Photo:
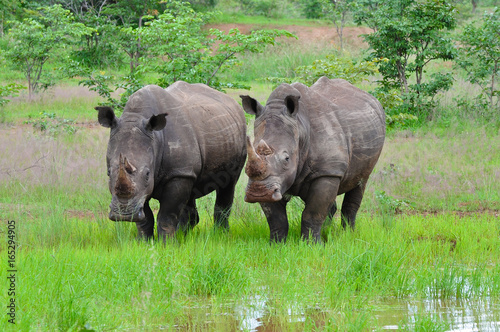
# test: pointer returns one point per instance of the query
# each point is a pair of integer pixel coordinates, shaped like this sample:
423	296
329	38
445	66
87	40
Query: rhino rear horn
128	166
263	149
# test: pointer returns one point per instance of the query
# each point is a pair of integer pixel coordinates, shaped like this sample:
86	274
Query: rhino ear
106	116
157	122
292	104
250	105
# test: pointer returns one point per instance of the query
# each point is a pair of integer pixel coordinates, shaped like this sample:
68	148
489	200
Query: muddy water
456	315
254	315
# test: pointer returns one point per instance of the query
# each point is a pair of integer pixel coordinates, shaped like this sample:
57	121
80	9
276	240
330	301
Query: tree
410	34
364	12
337	11
312	8
7	10
36	39
180	49
479	55
94	49
130	16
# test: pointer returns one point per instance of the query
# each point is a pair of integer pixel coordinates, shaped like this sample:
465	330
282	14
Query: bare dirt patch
308	35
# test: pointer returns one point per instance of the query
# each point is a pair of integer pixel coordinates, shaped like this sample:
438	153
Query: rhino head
131	162
273	157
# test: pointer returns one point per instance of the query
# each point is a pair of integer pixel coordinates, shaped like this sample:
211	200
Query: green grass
73	107
428	232
276	61
77	269
263	21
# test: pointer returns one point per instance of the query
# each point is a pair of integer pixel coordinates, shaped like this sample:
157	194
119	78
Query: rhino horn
128	166
124	186
263	149
256	166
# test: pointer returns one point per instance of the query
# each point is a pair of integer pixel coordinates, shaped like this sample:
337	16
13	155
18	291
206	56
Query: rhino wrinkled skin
316	143
174	145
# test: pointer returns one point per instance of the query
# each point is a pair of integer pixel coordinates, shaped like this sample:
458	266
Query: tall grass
278	60
427	232
72	103
79	270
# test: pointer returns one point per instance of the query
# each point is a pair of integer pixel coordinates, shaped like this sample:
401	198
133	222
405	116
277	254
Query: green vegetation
428	232
480	56
410	34
35	40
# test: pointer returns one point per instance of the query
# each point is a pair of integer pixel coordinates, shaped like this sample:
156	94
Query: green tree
96	49
479	55
312	8
179	48
410	34
34	40
8	8
337	11
364	12
130	16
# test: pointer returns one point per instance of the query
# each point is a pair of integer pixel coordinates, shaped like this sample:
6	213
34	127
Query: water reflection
260	314
481	315
256	315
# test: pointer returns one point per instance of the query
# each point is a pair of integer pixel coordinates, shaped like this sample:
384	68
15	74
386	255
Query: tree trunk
495	70
402	77
132	60
474	6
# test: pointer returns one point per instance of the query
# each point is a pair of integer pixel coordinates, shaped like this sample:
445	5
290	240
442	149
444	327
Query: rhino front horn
256	166
124	186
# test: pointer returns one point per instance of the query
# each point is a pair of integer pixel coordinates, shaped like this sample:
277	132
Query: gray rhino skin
198	148
315	143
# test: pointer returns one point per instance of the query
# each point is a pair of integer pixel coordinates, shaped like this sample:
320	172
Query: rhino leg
174	198
145	229
333	210
277	220
351	204
319	204
223	204
189	217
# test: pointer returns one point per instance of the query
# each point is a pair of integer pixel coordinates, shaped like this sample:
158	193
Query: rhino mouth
127	212
262	193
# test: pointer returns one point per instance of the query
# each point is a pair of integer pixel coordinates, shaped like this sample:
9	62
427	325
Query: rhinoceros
316	143
198	148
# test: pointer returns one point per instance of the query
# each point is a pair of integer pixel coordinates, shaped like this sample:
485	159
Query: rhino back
216	126
347	130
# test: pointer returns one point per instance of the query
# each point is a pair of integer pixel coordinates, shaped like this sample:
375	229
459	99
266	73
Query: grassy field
424	255
429	229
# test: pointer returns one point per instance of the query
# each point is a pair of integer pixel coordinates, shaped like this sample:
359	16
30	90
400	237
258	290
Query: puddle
255	314
457	315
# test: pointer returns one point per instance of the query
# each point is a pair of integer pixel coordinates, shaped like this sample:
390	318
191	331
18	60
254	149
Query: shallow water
255	314
482	315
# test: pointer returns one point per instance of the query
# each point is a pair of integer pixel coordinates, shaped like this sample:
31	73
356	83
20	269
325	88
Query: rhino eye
146	175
